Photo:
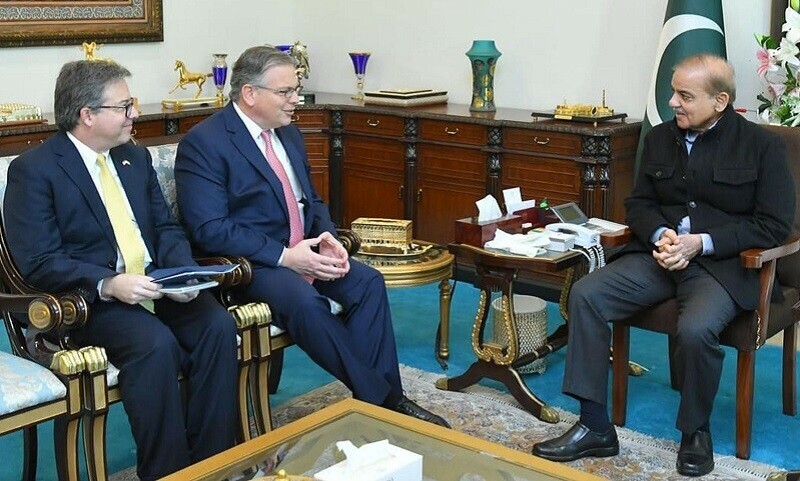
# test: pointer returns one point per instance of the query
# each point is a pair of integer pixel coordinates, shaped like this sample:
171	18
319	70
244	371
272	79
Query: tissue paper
378	461
488	209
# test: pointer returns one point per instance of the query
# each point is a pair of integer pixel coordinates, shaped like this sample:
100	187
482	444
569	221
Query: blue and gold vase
220	71
483	57
359	60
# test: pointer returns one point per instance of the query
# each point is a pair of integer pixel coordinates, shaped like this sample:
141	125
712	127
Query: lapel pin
126	162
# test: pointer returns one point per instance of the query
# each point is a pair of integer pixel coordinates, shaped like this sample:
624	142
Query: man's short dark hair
82	84
252	64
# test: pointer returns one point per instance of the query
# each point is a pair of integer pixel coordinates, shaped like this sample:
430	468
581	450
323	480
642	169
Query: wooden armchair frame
65	411
663	318
268	345
53	315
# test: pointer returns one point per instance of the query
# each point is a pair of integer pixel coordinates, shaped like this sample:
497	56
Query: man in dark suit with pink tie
244	188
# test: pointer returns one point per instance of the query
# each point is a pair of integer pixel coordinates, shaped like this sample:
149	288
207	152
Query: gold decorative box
383	232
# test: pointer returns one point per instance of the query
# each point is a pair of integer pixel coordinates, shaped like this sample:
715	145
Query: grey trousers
628	285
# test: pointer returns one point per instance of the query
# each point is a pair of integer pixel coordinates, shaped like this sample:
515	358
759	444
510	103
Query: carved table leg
445	298
496	361
510	378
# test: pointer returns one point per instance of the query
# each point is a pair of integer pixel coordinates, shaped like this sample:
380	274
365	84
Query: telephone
584	236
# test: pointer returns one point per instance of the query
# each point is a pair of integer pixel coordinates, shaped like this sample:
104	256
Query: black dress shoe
410	408
579	442
696	454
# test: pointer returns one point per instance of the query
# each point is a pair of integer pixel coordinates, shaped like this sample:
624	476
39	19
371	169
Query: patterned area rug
495	416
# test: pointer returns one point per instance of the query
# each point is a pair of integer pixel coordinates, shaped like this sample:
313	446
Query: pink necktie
295	225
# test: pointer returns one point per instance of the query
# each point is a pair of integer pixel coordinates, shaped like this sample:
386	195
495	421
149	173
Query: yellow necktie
124	230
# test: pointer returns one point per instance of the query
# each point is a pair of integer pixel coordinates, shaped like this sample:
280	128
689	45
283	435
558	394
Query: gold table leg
445	298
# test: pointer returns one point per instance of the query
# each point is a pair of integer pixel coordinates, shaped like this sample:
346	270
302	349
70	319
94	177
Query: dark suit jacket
58	229
230	200
735	186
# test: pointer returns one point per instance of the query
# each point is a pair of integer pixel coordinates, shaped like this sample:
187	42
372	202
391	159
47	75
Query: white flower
792	26
778	67
787	52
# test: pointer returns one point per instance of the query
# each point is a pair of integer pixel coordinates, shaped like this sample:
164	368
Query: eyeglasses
285	93
128	107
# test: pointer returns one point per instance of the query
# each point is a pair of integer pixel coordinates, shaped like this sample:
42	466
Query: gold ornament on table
20	114
185	78
299	53
90	51
582	112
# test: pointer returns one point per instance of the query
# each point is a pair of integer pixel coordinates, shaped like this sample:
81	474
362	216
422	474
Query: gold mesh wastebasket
531	319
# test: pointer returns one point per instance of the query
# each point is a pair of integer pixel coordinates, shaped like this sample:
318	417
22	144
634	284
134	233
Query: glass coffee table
307	446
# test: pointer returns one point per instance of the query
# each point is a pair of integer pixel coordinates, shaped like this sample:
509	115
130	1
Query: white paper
488	209
531	244
512	196
181	288
518	206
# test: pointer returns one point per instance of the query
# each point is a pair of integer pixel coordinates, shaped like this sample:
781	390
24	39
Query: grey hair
720	76
82	84
252	64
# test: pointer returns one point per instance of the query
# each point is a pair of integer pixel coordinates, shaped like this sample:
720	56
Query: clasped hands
675	251
330	262
135	288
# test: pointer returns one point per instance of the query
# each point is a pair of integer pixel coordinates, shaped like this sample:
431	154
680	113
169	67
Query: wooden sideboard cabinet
428	164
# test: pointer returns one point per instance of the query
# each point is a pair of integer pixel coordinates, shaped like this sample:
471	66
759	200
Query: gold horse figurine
187	77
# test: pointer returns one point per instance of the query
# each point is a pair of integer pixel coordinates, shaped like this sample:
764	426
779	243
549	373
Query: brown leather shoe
410	408
696	454
578	442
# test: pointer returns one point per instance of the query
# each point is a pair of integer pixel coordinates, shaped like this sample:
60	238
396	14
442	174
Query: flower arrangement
778	68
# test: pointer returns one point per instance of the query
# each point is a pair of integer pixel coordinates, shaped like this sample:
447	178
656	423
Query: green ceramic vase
483	57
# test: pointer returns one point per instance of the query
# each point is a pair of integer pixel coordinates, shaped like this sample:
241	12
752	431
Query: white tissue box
400	465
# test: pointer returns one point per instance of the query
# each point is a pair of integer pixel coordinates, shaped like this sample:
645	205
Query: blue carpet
652	405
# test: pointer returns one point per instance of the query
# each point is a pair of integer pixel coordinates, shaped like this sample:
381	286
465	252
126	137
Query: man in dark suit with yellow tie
84	211
244	188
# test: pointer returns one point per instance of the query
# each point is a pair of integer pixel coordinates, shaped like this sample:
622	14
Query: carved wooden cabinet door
372	167
314	126
451	176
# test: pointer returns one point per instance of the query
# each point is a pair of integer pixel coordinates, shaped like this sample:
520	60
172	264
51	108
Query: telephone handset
584	236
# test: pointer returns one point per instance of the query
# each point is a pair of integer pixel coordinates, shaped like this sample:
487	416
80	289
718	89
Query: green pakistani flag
690	27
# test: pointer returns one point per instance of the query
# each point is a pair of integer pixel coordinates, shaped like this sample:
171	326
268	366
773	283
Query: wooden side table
433	264
496	273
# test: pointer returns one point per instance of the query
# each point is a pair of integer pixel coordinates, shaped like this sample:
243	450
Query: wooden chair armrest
350	240
74	310
766	261
239	277
755	258
47	312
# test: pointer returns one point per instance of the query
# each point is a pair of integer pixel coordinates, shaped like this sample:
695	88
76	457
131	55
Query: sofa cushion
25	384
164	164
